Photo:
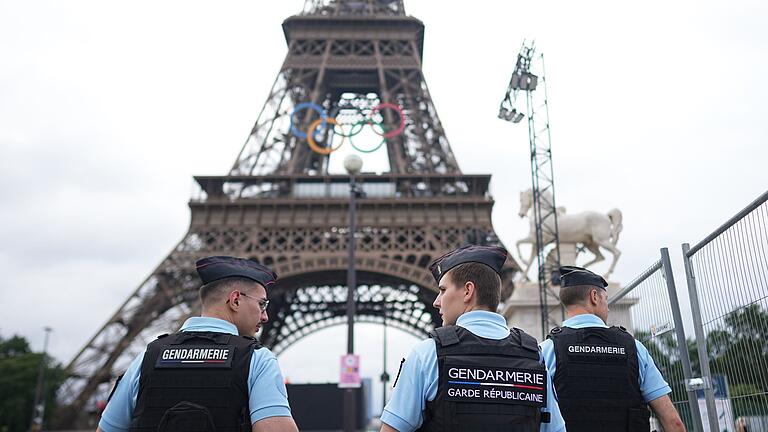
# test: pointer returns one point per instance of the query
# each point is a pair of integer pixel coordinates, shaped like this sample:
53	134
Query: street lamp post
353	164
384	374
38	407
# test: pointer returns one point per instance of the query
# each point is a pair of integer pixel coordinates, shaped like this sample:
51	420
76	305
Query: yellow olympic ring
311	139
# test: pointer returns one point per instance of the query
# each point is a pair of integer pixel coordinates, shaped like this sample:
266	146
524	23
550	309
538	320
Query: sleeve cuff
657	394
396	422
273	411
107	427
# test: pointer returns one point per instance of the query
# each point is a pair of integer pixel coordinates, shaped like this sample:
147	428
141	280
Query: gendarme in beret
573	276
219	267
492	256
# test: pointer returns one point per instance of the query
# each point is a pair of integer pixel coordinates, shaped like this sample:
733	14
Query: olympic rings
311	140
312	133
312	106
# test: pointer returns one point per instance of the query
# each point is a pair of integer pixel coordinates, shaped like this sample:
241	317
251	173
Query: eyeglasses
263	303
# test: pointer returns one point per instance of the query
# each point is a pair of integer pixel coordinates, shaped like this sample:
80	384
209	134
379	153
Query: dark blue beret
491	256
573	276
219	267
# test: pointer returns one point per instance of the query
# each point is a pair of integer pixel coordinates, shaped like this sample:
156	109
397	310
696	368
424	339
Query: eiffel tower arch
280	206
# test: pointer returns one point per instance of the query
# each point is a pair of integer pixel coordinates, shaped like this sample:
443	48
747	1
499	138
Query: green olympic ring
372	123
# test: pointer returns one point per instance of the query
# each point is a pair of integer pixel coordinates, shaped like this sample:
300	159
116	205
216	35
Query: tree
18	378
737	349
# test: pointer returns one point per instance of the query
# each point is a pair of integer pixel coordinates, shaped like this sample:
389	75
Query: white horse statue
592	229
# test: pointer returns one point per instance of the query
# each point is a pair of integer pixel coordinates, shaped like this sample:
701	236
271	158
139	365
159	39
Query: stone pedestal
568	253
522	309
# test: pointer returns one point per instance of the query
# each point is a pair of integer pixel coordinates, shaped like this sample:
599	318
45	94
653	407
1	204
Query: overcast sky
107	110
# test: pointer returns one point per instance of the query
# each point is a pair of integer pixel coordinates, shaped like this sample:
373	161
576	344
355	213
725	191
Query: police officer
605	379
213	374
473	374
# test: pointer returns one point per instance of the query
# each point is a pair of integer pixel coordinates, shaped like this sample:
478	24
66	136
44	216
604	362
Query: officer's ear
469	290
233	299
594	297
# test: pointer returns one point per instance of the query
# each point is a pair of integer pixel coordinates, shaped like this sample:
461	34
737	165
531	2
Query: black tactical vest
195	381
486	384
596	379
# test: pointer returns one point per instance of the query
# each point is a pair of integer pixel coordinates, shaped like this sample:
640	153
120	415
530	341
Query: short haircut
220	288
576	294
487	282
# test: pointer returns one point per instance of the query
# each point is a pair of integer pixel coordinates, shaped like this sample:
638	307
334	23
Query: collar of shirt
485	324
209	324
584	320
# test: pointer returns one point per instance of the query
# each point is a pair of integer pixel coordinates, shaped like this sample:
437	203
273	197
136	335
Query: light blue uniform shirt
266	389
652	384
417	383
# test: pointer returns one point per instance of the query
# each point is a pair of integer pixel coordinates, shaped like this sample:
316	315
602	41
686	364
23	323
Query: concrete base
522	309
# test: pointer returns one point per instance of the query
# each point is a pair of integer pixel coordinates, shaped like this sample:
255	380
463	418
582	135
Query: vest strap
216	338
527	341
445	336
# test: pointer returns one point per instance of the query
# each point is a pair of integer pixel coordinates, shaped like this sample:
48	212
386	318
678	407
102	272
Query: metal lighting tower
542	174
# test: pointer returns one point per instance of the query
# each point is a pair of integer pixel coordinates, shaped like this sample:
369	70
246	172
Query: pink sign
350	371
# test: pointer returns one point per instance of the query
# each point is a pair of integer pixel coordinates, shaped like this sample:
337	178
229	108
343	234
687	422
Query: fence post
682	344
701	342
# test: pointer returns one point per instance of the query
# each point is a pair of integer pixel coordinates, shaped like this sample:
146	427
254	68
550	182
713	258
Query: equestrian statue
590	229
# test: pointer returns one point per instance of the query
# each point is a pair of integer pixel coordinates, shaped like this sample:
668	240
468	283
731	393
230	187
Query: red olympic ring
400	128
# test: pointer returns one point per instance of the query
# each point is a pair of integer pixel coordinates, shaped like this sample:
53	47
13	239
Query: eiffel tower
279	205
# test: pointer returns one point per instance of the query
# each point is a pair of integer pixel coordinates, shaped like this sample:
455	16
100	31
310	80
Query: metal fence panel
728	281
656	322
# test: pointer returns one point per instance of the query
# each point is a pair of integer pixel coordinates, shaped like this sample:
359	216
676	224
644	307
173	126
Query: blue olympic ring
313	106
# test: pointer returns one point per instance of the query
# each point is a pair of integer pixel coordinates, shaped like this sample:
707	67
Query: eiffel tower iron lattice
279	205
